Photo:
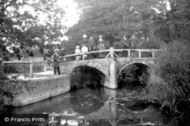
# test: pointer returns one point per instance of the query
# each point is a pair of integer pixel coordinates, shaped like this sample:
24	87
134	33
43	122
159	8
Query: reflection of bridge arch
109	111
86	101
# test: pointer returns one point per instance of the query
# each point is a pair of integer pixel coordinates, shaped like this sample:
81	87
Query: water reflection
95	107
86	101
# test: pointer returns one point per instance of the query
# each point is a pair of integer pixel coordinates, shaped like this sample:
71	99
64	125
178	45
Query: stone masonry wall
40	89
100	64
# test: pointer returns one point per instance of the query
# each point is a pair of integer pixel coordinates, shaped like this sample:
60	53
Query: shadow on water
95	105
87	101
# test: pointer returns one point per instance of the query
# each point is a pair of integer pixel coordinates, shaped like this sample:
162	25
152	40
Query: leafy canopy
114	19
30	22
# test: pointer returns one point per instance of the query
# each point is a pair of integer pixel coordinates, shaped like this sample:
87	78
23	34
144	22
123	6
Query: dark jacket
55	58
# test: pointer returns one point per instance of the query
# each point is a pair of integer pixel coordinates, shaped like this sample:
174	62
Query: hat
77	47
84	35
100	36
56	50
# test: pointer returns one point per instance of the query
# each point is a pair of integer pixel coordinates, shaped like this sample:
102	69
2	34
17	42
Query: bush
22	68
173	66
8	88
153	43
8	68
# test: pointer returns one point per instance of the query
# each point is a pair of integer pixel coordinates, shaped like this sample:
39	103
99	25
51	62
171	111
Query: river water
97	107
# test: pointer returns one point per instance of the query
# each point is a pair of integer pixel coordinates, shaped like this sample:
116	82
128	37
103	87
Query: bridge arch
147	64
92	75
93	66
134	75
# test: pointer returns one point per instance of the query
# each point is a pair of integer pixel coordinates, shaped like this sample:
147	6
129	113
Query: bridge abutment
111	81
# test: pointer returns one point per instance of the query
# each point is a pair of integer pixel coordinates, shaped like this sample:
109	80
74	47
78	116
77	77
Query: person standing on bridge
125	45
56	62
101	46
84	50
84	40
91	46
77	51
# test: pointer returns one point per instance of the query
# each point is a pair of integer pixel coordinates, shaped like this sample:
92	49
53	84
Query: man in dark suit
56	62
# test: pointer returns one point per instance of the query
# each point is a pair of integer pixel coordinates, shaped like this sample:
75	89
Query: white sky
69	6
72	14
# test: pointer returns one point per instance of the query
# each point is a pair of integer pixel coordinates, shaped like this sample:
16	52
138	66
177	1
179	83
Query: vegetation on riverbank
7	90
171	86
10	87
174	69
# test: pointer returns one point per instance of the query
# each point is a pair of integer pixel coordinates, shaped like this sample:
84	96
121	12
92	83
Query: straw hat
77	47
84	36
56	50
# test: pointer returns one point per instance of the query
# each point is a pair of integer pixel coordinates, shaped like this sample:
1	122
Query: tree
173	66
30	22
114	19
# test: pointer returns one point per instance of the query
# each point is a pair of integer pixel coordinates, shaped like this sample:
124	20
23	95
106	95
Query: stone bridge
112	65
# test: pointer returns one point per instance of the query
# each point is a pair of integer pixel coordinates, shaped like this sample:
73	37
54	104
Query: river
97	107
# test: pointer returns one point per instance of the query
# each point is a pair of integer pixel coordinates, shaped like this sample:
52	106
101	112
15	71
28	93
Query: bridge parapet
100	64
118	53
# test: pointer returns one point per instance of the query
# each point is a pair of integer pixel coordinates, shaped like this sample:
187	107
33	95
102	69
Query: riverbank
39	89
31	90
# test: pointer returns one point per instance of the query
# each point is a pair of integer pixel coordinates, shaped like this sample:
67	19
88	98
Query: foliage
21	22
153	43
175	24
174	67
5	92
9	69
115	19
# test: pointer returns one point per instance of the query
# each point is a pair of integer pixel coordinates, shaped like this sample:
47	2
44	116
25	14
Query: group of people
89	44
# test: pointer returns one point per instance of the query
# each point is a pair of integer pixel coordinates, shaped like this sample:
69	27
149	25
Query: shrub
8	68
153	43
173	66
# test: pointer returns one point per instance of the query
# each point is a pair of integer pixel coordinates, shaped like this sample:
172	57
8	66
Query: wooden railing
22	62
116	53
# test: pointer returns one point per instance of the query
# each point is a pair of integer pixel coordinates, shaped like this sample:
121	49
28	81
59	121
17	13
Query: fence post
31	69
153	54
139	53
1	67
82	56
129	53
111	52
